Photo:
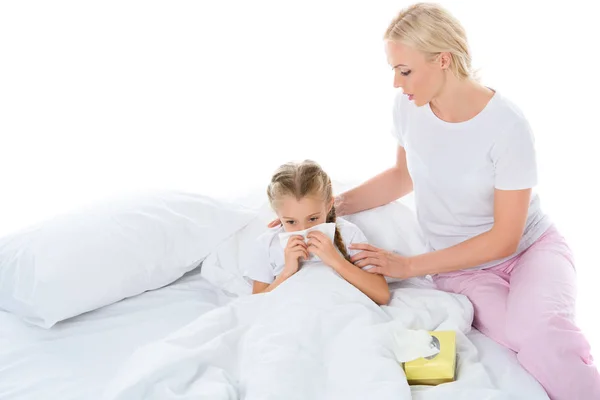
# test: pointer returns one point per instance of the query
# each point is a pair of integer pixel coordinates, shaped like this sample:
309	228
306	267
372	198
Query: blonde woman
468	154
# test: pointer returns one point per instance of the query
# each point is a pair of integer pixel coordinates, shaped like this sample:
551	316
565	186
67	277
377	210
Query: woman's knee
520	333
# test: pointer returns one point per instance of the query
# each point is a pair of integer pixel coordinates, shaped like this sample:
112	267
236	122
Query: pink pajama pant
527	304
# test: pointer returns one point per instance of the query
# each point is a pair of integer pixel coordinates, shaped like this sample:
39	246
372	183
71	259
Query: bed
77	357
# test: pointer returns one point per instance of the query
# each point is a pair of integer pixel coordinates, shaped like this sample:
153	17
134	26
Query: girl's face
298	215
420	79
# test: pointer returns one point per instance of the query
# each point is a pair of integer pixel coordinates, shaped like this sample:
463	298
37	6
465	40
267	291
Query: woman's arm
382	189
510	215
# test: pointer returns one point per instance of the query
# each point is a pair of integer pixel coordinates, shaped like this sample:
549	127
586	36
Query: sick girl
302	197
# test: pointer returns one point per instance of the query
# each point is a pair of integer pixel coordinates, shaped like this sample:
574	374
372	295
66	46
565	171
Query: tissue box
437	369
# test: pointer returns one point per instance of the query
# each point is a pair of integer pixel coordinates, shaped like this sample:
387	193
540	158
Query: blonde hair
300	180
432	30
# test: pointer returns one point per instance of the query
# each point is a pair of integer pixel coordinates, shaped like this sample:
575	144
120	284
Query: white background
99	98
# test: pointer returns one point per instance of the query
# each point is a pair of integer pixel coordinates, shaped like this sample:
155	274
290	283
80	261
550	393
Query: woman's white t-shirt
268	259
455	168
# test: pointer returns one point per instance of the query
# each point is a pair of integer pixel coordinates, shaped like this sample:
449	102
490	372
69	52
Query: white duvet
314	337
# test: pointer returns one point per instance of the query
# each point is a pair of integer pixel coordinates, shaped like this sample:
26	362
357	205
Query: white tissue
327	228
412	344
405	344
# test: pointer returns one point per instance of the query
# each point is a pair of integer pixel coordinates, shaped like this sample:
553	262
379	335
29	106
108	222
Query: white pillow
392	227
82	261
224	266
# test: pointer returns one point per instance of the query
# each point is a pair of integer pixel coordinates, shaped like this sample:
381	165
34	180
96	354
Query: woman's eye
405	73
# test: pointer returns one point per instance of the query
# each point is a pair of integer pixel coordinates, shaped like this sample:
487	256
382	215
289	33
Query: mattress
77	358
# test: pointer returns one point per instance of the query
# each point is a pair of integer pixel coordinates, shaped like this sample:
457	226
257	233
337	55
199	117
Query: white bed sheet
76	359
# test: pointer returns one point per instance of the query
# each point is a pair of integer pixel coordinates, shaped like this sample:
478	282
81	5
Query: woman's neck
460	100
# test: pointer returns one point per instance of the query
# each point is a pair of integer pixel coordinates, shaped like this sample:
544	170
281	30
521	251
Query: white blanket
314	337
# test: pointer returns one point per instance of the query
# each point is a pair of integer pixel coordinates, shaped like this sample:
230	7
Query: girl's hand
319	244
294	251
384	262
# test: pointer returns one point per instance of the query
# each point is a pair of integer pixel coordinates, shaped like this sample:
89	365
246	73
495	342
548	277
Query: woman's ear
445	60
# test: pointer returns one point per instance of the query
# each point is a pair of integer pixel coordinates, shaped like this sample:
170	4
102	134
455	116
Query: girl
301	195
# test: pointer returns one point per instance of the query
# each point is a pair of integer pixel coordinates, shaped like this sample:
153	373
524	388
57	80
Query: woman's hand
320	245
274	223
384	262
294	251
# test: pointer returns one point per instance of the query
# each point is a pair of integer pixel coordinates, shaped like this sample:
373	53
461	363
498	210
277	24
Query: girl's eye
313	219
405	73
289	222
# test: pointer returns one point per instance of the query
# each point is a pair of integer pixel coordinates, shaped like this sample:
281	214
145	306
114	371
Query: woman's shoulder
508	121
507	110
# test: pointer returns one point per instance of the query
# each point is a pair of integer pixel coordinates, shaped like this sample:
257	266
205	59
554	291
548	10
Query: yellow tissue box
437	369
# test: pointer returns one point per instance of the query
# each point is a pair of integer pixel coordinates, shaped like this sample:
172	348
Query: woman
469	155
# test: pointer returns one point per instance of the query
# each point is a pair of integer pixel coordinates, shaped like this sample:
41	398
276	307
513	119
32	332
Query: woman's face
421	79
